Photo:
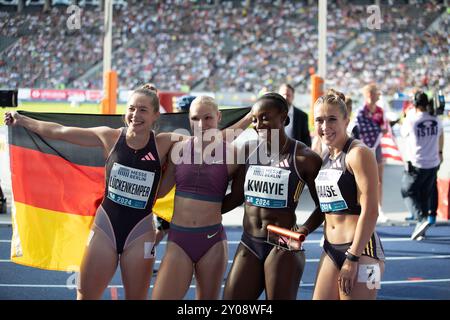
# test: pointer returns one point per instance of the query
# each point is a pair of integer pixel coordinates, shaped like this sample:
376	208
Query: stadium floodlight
8	98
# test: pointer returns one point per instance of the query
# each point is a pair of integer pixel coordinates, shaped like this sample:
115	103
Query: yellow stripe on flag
48	239
163	207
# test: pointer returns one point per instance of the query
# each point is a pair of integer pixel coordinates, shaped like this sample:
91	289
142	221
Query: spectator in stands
209	53
372	125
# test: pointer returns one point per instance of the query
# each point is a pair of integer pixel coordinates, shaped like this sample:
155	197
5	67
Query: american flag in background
369	130
389	148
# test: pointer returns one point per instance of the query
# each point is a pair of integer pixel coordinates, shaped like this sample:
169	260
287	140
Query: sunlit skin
100	259
331	127
203	117
279	273
140	115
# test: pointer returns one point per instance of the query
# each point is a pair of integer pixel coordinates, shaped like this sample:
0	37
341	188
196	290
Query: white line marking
55	286
415	281
418	257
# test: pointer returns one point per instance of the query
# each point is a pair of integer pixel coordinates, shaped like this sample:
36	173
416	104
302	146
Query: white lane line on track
399	258
56	286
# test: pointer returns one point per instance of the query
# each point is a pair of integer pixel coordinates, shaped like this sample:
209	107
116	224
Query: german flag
57	187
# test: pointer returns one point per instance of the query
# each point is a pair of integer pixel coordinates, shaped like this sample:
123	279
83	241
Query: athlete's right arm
165	142
89	137
236	197
168	179
310	163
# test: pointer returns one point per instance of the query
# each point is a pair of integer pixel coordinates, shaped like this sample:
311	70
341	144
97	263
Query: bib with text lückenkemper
130	187
328	191
267	186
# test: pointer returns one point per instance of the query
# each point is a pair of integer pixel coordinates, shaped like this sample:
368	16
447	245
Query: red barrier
167	99
443	198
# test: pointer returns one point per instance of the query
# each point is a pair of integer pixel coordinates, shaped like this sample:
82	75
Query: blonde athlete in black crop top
353	261
271	190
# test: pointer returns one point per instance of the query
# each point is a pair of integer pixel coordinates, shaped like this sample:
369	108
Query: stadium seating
226	45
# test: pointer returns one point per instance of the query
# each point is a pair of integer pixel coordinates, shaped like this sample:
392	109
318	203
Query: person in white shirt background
425	140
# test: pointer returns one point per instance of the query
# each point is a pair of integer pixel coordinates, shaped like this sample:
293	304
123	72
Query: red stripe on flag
50	182
387	155
389	146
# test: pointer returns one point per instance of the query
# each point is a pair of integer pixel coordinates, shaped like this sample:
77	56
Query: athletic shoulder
166	140
357	147
307	161
360	156
107	134
305	153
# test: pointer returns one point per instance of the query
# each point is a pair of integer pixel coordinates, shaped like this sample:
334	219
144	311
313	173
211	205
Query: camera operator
425	140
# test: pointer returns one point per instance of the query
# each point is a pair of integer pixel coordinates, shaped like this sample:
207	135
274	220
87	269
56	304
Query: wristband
351	257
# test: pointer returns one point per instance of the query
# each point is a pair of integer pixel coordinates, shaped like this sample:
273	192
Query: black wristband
351	257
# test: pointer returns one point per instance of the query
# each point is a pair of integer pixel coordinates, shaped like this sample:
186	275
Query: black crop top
336	186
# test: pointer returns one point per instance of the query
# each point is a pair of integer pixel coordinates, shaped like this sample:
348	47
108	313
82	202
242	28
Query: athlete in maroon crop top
201	181
196	239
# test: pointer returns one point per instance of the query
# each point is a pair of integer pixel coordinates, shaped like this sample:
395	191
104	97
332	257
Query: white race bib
130	187
370	274
329	194
267	186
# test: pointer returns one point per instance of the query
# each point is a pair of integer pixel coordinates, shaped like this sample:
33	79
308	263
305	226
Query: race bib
329	194
129	186
370	274
267	186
